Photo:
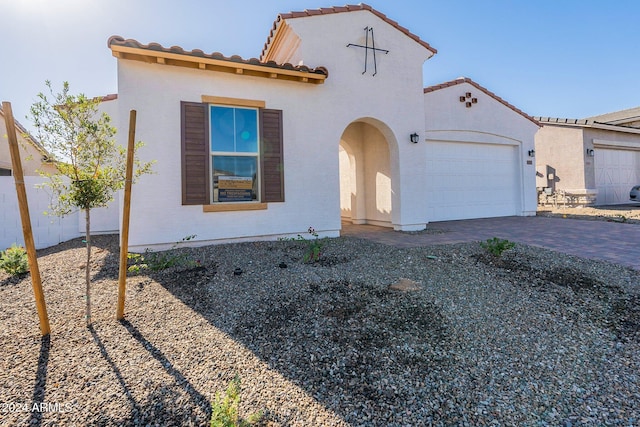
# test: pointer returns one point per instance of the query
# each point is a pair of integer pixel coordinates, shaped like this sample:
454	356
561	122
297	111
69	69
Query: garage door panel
472	180
616	172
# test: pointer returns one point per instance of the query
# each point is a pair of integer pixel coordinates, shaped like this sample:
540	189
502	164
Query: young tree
90	166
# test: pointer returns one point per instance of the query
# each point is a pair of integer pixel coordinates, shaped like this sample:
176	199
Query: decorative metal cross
368	48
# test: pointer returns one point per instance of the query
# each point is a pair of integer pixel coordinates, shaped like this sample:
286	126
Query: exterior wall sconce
414	137
532	153
590	152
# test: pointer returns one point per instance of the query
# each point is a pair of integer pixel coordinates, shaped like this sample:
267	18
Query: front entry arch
366	183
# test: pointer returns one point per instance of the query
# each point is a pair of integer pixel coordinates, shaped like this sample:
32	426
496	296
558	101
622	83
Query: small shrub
314	246
158	261
496	246
14	260
224	409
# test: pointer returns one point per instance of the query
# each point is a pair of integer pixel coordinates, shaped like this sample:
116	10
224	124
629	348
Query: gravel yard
627	213
533	338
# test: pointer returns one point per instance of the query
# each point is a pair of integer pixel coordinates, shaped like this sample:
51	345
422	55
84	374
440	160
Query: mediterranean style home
593	161
331	123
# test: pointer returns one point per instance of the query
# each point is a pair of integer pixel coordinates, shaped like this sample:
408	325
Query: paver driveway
609	241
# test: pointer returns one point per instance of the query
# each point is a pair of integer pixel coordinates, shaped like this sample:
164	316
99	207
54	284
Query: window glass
234	154
222	129
5	172
246	130
234	130
235	178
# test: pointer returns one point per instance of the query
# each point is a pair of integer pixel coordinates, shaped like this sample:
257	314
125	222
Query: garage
616	172
472	180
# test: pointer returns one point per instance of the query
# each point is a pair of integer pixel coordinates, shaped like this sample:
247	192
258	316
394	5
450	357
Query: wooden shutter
271	156
195	153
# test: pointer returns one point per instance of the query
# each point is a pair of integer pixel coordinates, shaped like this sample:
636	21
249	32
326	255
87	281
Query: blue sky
559	58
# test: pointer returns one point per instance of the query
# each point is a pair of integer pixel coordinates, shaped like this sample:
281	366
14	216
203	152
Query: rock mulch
627	213
532	338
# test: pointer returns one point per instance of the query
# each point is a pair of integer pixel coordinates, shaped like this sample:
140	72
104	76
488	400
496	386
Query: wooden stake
18	177
124	237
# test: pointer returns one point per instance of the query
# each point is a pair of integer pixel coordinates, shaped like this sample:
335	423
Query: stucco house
592	161
33	155
331	123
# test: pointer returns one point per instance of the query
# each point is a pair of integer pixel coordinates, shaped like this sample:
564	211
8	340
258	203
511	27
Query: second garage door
472	180
616	172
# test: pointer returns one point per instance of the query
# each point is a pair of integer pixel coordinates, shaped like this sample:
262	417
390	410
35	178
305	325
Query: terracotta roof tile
109	97
341	9
482	89
120	41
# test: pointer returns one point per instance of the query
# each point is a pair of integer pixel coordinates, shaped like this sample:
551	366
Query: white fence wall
48	230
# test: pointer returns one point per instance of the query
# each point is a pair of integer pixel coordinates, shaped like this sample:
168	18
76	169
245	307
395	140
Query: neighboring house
588	161
628	118
47	230
260	148
33	155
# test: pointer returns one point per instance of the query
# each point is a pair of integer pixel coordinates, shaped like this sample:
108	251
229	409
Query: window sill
229	207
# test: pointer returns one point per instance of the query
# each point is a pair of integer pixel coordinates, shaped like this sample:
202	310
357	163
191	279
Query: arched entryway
366	184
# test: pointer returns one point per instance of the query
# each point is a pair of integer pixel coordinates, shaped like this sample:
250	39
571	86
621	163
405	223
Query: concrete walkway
609	241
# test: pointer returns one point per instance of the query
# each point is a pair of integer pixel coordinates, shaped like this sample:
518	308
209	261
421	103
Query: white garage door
472	180
616	172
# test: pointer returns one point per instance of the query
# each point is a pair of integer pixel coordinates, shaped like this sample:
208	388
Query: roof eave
234	65
340	9
486	92
585	123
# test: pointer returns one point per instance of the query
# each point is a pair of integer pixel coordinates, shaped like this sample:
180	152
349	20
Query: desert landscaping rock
532	338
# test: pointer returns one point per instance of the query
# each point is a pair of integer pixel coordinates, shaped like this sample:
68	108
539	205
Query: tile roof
587	123
560	121
460	80
118	43
109	97
341	9
619	117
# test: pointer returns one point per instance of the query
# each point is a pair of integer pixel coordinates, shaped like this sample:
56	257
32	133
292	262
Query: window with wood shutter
231	154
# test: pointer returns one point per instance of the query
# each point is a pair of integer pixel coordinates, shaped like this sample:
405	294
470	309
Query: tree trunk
88	268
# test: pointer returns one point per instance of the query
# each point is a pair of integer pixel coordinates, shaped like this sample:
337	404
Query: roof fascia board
154	56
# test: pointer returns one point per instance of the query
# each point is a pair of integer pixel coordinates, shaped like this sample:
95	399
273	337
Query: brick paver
609	241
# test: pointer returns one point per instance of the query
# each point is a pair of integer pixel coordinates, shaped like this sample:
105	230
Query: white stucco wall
391	101
314	118
310	169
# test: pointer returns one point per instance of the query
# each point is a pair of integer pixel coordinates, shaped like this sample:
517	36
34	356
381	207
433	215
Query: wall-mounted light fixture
532	153
590	152
414	137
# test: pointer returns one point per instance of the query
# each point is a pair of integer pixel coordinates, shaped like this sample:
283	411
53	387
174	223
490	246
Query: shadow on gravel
352	346
40	385
161	404
135	408
14	280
